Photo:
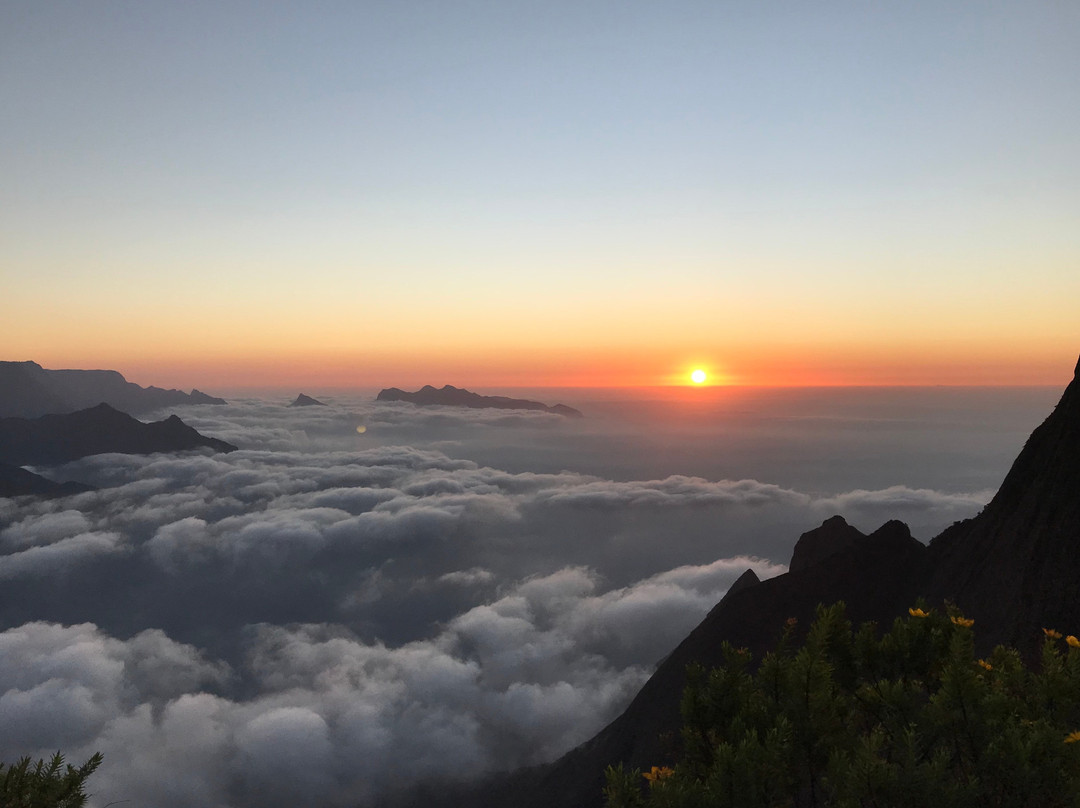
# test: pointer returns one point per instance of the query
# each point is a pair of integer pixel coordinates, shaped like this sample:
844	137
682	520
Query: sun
698	376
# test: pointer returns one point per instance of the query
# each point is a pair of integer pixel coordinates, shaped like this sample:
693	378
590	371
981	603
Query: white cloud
44	529
314	710
60	556
363	612
469	577
673	491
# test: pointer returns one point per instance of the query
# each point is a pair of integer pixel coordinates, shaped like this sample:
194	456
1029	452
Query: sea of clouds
330	617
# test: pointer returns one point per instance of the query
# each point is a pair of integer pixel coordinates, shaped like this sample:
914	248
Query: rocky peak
816	545
894	532
303	400
744	581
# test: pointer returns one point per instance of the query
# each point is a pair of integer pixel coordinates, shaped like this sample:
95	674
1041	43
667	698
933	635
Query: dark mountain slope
53	439
1016	566
15	481
28	390
449	395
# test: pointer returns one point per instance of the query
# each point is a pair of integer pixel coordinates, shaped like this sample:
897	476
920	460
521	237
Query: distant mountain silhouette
1014	568
306	401
457	397
53	439
15	481
28	390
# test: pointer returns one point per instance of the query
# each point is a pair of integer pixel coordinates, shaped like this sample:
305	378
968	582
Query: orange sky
741	330
583	368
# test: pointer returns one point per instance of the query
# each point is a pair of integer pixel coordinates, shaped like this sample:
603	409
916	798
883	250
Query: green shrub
909	719
45	785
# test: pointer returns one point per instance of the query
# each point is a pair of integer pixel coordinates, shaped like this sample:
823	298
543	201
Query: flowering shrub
910	718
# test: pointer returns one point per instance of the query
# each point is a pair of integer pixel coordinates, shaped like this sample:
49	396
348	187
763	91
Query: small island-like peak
451	396
306	401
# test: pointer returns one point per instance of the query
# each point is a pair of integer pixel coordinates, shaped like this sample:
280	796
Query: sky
504	194
332	618
553	197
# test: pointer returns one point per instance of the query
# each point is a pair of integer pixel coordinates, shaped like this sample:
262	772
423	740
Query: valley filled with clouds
333	616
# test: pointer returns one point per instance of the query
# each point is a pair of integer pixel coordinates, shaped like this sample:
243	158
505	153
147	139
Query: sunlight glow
698	376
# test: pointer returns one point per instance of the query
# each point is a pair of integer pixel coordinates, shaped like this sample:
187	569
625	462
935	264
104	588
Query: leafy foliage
45	785
910	718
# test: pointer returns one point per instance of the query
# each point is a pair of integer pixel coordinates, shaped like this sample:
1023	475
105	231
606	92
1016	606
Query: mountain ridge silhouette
27	390
451	396
53	439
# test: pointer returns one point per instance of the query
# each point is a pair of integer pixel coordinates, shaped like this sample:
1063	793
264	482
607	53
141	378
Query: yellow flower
1072	737
1054	635
983	663
658	773
917	613
1072	641
962	621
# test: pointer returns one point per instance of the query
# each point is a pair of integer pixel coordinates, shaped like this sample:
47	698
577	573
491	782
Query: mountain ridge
27	390
451	396
59	438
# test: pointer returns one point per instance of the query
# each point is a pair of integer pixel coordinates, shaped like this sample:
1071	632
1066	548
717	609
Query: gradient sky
505	193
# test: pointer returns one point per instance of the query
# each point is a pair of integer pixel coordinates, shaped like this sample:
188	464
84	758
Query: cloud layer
343	615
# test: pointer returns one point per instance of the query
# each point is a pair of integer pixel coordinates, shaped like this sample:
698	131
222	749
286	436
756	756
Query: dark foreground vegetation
51	784
912	717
